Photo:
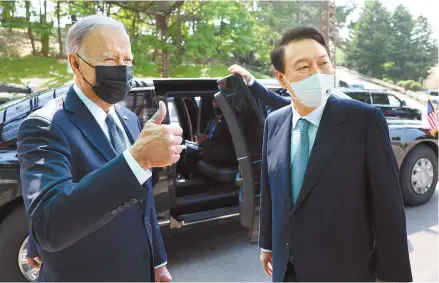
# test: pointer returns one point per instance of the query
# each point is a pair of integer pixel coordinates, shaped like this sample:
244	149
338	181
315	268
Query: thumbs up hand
158	145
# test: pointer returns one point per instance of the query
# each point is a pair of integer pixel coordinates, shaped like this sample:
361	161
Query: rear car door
246	124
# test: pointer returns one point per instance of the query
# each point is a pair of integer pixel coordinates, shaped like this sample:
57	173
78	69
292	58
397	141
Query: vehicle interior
209	190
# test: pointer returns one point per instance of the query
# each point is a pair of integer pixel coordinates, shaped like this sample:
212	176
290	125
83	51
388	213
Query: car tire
13	232
418	156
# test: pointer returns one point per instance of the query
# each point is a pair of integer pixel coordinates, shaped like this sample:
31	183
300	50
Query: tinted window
360	96
143	103
380	98
393	101
434	93
249	122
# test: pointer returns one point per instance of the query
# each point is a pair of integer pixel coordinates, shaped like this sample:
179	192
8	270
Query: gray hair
79	30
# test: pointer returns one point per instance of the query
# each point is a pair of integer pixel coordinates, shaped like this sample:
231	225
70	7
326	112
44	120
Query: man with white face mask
331	206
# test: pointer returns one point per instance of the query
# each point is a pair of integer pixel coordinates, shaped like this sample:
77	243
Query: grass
18	69
53	72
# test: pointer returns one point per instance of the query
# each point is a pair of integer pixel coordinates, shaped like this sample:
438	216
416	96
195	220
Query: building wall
432	81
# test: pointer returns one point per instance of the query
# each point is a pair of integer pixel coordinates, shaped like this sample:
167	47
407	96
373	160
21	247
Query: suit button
120	208
133	200
287	245
113	212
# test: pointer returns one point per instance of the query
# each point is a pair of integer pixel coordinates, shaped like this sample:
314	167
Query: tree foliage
393	46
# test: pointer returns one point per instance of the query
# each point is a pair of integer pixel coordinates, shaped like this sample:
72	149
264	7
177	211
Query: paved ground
221	252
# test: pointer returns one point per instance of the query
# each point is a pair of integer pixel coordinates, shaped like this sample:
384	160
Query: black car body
390	104
216	192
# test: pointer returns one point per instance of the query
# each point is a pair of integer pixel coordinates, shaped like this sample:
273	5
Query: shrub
387	80
400	83
415	86
407	84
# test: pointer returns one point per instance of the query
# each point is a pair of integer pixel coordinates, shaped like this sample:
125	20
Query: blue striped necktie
300	160
116	135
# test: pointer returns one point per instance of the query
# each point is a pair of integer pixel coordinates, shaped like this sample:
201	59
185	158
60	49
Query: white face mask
313	90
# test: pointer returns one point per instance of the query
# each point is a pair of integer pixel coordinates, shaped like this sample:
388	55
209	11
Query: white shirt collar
97	112
314	117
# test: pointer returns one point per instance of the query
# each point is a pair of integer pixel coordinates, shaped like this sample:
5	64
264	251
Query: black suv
214	192
390	104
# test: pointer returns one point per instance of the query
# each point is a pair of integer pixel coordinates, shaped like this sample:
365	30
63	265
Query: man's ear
73	63
280	78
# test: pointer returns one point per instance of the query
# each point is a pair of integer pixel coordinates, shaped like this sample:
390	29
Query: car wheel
419	175
13	247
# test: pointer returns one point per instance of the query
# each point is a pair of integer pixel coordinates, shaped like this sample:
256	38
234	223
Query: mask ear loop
85	61
288	83
87	64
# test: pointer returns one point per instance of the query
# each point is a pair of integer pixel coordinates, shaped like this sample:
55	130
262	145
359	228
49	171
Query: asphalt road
220	252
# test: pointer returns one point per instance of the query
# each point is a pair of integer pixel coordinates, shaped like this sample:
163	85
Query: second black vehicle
390	104
212	191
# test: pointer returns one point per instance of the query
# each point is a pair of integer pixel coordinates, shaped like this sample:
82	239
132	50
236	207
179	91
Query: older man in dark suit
85	168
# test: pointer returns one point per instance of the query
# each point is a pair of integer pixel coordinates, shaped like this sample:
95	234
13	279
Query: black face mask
112	82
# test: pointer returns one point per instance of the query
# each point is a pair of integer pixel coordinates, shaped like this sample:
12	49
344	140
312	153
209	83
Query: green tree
368	49
425	48
400	45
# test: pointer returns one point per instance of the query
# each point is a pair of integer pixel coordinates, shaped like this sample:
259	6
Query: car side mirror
403	103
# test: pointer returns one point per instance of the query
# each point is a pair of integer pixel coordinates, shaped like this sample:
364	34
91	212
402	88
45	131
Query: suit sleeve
271	99
160	258
31	246
60	211
265	225
387	205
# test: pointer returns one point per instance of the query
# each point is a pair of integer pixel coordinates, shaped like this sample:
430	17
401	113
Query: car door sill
208	216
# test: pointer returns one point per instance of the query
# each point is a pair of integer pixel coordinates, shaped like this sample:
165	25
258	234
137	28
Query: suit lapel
132	130
87	124
282	141
328	139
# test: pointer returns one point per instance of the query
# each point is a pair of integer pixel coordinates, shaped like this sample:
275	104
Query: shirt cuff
160	265
141	174
251	82
267	251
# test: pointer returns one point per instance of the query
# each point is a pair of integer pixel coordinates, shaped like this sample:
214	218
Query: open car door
245	120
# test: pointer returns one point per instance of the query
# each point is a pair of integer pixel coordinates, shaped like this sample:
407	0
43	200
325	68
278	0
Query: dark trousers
290	274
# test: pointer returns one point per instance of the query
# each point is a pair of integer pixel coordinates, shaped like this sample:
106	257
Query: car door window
380	98
393	101
360	96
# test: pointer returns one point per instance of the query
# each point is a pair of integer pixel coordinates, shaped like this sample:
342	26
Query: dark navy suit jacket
348	223
90	217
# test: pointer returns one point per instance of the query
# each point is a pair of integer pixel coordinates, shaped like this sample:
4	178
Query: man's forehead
304	49
107	38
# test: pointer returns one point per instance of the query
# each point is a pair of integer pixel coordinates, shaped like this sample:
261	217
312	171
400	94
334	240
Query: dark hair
291	35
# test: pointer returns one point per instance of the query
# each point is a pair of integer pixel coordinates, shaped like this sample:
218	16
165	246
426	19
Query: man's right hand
158	145
236	69
267	262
